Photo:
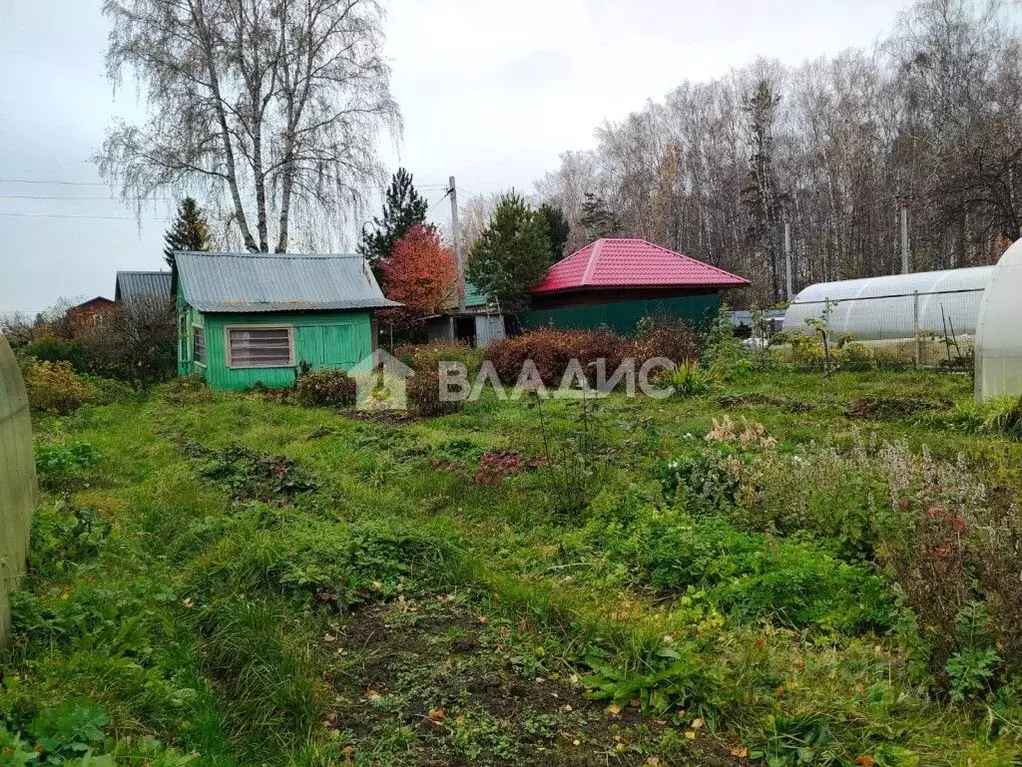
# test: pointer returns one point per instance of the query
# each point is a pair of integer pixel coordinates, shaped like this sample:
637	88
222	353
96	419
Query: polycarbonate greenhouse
999	335
17	478
895	307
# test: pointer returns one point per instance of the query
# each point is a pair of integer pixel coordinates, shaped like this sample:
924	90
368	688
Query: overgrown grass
187	590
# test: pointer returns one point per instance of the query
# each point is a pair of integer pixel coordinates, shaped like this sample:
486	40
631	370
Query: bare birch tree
271	108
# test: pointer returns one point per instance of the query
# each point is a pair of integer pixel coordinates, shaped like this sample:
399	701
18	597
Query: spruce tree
760	194
597	220
189	232
558	229
403	208
512	254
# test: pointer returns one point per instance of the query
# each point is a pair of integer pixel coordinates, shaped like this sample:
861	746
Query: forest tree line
931	115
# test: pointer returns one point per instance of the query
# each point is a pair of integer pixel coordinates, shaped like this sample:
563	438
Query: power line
80	197
51	183
77	216
431	207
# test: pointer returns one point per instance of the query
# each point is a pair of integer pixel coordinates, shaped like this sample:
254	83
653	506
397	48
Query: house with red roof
616	283
613	283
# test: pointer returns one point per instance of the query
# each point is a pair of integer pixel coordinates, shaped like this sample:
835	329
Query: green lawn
256	583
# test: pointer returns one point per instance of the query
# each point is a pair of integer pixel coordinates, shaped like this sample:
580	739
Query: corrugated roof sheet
622	263
259	282
135	284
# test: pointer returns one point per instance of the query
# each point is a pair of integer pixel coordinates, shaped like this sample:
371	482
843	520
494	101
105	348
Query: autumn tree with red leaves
421	273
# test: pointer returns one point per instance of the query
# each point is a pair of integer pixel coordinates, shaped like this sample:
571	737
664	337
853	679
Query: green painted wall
623	316
322	339
187	319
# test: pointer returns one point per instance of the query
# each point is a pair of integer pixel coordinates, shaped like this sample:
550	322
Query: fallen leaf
484	619
635	703
653	761
437	715
696	724
329	638
865	761
614	710
740	753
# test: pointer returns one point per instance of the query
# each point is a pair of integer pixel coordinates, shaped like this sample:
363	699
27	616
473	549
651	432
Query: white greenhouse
897	306
999	335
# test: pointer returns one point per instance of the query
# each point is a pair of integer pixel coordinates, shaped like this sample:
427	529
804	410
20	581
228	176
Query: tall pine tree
511	255
189	232
403	208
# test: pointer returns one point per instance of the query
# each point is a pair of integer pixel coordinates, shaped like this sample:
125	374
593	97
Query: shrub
188	390
688	380
430	356
54	387
575	461
137	341
60	350
752	576
61	463
423	390
725	356
669	338
552	351
325	388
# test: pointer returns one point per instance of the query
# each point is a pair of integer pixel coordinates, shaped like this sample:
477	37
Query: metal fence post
919	341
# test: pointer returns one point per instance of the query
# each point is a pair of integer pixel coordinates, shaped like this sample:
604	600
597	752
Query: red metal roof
632	264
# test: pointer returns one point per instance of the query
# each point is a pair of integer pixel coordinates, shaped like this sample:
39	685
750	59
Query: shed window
199	345
260	347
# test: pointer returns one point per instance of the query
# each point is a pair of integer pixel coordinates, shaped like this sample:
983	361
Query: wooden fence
18	489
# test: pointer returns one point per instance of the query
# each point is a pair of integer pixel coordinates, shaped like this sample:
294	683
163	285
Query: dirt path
435	684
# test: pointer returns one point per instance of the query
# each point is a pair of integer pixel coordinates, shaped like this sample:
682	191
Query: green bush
61	350
61	463
751	576
327	388
725	357
688	379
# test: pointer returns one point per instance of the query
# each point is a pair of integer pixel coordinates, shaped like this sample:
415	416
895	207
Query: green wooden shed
248	319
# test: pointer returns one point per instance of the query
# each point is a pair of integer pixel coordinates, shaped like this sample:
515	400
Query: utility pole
905	246
458	256
787	256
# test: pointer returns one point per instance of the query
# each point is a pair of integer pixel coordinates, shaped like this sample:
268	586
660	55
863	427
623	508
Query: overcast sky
490	91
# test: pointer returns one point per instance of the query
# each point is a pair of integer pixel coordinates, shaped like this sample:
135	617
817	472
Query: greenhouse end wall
18	492
999	332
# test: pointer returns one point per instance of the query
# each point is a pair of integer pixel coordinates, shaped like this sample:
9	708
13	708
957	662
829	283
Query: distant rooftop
136	284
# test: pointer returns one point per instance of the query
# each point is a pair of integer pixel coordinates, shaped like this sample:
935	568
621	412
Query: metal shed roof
135	284
262	282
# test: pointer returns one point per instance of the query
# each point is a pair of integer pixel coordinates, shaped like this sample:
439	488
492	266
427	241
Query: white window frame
205	346
290	338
